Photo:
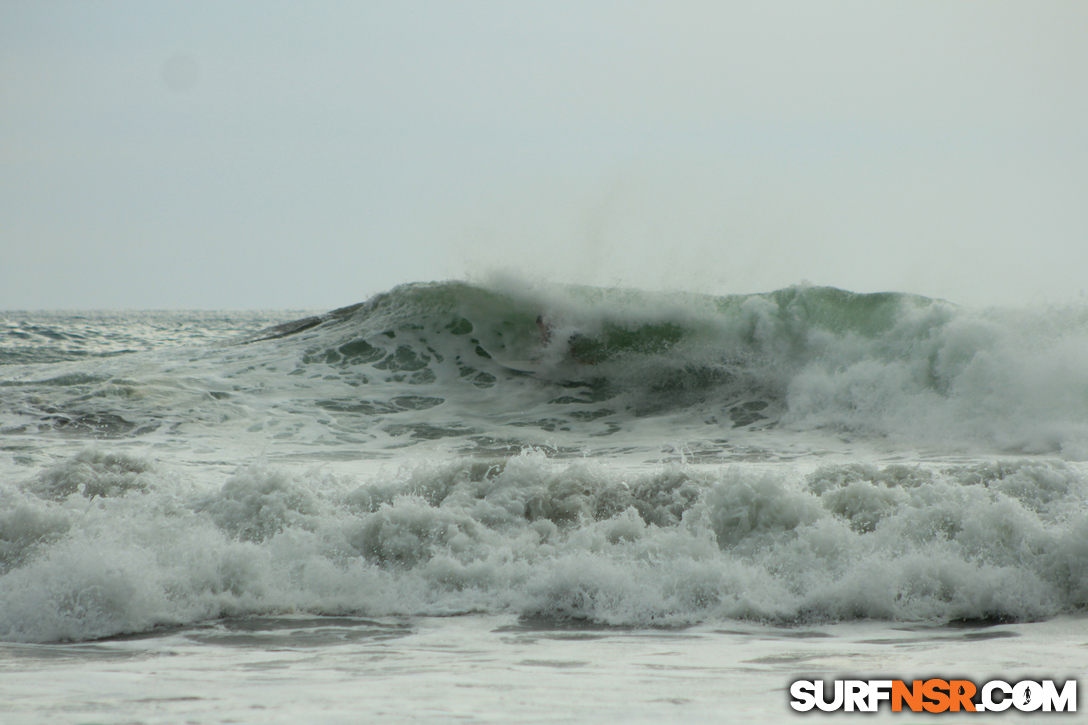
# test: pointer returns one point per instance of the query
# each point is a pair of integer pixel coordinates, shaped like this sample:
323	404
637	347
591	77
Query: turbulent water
607	456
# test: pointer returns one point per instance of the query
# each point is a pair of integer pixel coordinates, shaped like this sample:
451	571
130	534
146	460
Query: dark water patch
404	358
98	650
979	636
96	425
36	355
427	432
286	329
61	381
802	634
391	406
347	454
617	340
563	627
459	326
587	416
294	327
556	664
747	413
790	658
360	407
546	424
993	620
416	402
296	632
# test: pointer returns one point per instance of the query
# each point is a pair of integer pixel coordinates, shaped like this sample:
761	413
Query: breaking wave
619	456
102	544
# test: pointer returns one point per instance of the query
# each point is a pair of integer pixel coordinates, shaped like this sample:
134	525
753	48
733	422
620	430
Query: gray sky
272	155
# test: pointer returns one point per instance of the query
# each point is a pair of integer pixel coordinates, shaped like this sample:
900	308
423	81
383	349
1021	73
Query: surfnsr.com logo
934	695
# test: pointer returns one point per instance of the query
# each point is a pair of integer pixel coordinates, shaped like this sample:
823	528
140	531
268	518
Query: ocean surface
529	503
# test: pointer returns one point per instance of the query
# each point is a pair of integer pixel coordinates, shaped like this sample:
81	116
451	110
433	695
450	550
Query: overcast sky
310	154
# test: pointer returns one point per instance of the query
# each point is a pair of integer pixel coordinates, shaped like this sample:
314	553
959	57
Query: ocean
530	503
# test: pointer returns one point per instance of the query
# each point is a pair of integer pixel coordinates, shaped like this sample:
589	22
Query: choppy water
604	458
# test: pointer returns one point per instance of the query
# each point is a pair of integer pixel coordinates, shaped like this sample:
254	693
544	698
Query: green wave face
589	358
885	364
603	325
503	366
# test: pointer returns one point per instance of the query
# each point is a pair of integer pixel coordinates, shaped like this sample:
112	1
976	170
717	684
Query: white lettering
857	696
993	696
1027	696
804	695
987	695
824	704
1065	701
879	690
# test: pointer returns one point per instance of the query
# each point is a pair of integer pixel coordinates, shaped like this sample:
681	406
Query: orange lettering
932	690
961	692
912	696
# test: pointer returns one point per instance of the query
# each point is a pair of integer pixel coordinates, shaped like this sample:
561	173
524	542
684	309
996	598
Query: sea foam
85	557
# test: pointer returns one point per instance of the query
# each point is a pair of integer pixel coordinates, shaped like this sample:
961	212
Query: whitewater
528	503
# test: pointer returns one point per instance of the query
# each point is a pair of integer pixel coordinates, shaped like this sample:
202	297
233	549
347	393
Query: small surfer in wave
580	348
545	330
